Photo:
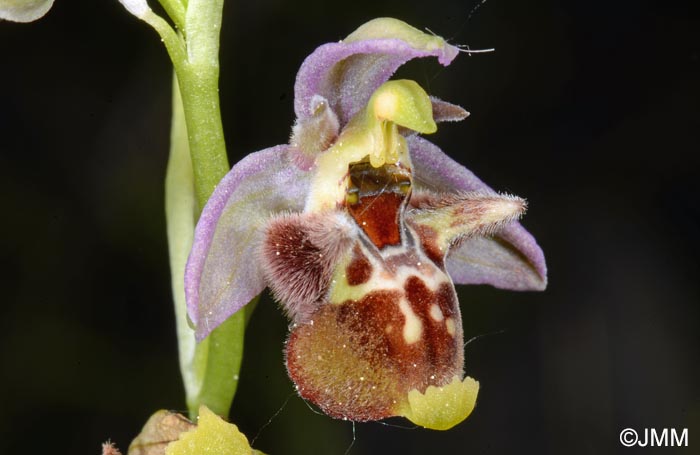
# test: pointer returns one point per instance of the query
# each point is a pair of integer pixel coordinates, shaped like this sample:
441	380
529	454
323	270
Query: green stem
200	98
197	163
173	43
209	369
199	84
176	10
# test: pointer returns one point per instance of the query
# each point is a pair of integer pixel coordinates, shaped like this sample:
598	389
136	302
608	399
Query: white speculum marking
450	326
412	327
436	313
381	278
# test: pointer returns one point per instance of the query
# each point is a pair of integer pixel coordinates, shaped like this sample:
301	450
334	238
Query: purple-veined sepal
223	273
348	72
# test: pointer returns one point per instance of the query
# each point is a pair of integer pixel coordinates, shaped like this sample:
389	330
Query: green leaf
180	214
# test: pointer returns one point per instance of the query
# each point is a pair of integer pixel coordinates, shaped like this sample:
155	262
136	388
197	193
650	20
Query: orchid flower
361	228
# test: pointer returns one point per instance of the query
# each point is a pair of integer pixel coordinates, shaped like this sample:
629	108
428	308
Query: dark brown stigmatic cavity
375	200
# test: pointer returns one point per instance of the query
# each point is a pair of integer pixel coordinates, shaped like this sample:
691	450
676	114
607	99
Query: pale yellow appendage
441	408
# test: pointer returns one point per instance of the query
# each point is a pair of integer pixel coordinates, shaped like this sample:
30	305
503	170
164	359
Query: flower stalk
197	163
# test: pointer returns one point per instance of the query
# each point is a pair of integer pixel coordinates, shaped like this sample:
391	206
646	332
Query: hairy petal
459	216
299	254
223	272
444	111
370	55
509	260
312	135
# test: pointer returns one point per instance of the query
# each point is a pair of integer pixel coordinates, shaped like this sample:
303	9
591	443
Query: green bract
211	436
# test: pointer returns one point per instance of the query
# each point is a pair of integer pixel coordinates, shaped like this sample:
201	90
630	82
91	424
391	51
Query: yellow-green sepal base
441	408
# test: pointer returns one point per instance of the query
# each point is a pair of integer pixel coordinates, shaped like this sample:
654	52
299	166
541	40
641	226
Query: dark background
589	109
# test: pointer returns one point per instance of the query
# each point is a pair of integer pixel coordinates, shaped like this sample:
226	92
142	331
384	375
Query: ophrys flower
360	227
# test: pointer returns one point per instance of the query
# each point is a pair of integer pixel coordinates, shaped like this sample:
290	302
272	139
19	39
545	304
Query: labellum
392	324
375	315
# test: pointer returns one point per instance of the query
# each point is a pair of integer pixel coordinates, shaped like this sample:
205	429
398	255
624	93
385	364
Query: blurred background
590	110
